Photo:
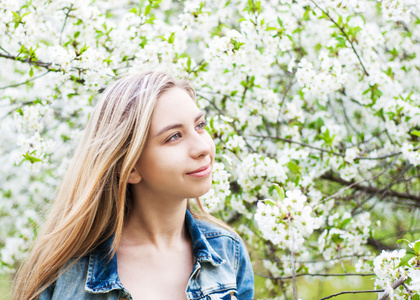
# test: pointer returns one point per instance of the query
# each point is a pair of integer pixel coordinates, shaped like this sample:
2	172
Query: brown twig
316	275
298	143
351	292
371	190
25	82
326	150
38	63
396	284
345	35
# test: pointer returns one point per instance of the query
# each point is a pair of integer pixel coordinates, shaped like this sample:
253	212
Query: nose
201	145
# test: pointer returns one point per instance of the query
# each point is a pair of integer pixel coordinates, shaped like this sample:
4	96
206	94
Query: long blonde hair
92	201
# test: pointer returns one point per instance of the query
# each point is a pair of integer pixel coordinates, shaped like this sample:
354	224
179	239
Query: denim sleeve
244	275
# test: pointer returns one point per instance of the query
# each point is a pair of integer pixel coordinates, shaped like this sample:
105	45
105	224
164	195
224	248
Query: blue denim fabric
222	270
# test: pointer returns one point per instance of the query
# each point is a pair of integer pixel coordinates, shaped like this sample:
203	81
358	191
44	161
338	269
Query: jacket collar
202	250
102	274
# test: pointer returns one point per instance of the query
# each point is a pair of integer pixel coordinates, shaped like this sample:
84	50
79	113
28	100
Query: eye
174	137
201	125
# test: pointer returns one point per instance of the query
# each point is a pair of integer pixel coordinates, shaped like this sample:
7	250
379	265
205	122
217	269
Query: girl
121	226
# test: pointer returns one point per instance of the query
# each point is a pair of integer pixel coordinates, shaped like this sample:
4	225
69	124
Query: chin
201	192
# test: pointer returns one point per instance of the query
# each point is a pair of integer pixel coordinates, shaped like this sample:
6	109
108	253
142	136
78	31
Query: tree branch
351	292
31	62
326	150
47	65
379	245
65	22
298	143
345	34
316	275
359	182
25	82
396	284
371	190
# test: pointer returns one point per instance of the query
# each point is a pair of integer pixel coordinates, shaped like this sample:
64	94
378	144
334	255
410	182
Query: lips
201	172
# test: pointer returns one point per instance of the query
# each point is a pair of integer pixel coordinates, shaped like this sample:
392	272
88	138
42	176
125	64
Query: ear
134	177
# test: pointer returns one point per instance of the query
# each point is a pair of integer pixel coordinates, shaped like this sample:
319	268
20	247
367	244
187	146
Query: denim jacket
222	270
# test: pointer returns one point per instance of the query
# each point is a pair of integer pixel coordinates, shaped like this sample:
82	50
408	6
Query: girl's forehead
174	106
174	102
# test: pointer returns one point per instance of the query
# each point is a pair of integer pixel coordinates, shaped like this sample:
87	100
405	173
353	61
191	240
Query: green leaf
76	34
340	19
171	38
65	138
366	91
211	123
337	239
280	21
415	132
306	14
416	297
31	72
189	63
19	111
403	240
269	202
84	48
344	223
15	16
405	259
133	10
280	192
302	269
293	167
148	10
32	159
416	248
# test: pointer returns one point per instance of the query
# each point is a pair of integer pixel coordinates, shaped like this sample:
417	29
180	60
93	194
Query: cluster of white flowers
408	152
387	270
320	84
214	200
347	237
31	118
61	58
399	10
398	265
257	171
351	154
288	222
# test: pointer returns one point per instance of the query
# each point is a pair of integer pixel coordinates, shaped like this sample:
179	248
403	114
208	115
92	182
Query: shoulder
213	231
70	282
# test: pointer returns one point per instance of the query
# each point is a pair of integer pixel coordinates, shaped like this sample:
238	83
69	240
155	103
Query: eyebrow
173	126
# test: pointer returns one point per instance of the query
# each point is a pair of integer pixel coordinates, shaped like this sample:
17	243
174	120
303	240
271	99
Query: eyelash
203	124
175	136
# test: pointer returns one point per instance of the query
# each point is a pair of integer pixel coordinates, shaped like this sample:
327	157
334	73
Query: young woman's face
179	154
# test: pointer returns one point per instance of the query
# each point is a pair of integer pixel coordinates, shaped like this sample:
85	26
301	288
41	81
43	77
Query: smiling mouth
201	172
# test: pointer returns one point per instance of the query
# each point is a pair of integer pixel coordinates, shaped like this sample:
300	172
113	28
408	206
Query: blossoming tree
314	106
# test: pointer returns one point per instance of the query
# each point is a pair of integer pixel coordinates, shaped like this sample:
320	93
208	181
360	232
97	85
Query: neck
156	222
